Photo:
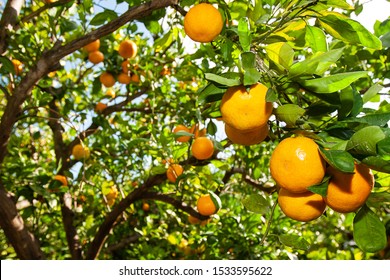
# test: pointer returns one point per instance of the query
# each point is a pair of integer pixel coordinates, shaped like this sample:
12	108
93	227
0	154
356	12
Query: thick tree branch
12	224
8	21
24	243
110	220
174	202
66	207
124	242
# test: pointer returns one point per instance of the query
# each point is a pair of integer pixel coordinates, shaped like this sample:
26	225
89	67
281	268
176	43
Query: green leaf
384	146
222	80
333	83
368	231
244	34
248	60
289	113
371	92
363	141
251	76
317	64
351	103
158	170
271	95
349	30
281	54
316	39
321	188
101	18
6	65
378	163
338	159
210	92
294	241
256	203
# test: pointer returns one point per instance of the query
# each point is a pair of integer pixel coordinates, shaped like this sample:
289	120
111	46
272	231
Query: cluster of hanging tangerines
296	163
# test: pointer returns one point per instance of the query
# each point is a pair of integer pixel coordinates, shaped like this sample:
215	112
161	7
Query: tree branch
72	237
174	202
110	220
8	21
42	9
24	243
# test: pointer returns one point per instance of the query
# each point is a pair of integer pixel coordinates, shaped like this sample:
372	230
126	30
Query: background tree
114	199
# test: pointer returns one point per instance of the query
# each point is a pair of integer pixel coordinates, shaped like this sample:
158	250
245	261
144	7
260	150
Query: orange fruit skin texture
96	57
202	148
128	49
62	179
107	79
181	127
100	107
123	78
245	137
145	206
203	23
205	205
80	152
348	192
296	164
245	110
93	46
18	66
302	207
174	171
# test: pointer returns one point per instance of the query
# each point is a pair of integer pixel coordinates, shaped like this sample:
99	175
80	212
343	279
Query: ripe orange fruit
135	78
348	192
195	221
123	78
107	79
203	23
80	152
145	206
184	138
96	57
165	71
174	171
110	93
100	107
246	138
18	66
93	46
208	204
296	164
198	132
125	66
127	49
246	110
202	148
302	207
62	179
112	195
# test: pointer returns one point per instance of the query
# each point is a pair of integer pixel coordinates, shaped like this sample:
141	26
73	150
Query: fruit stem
269	223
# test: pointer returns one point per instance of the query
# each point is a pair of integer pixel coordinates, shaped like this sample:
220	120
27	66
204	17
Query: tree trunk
24	243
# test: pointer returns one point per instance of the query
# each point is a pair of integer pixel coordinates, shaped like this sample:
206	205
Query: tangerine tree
135	130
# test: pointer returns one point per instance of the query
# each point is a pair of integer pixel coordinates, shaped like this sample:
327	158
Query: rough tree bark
20	238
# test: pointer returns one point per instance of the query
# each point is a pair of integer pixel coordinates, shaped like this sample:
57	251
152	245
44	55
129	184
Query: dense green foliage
327	76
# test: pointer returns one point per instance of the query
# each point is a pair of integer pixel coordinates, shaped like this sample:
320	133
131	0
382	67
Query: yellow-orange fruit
302	207
348	192
203	23
246	137
296	164
246	110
